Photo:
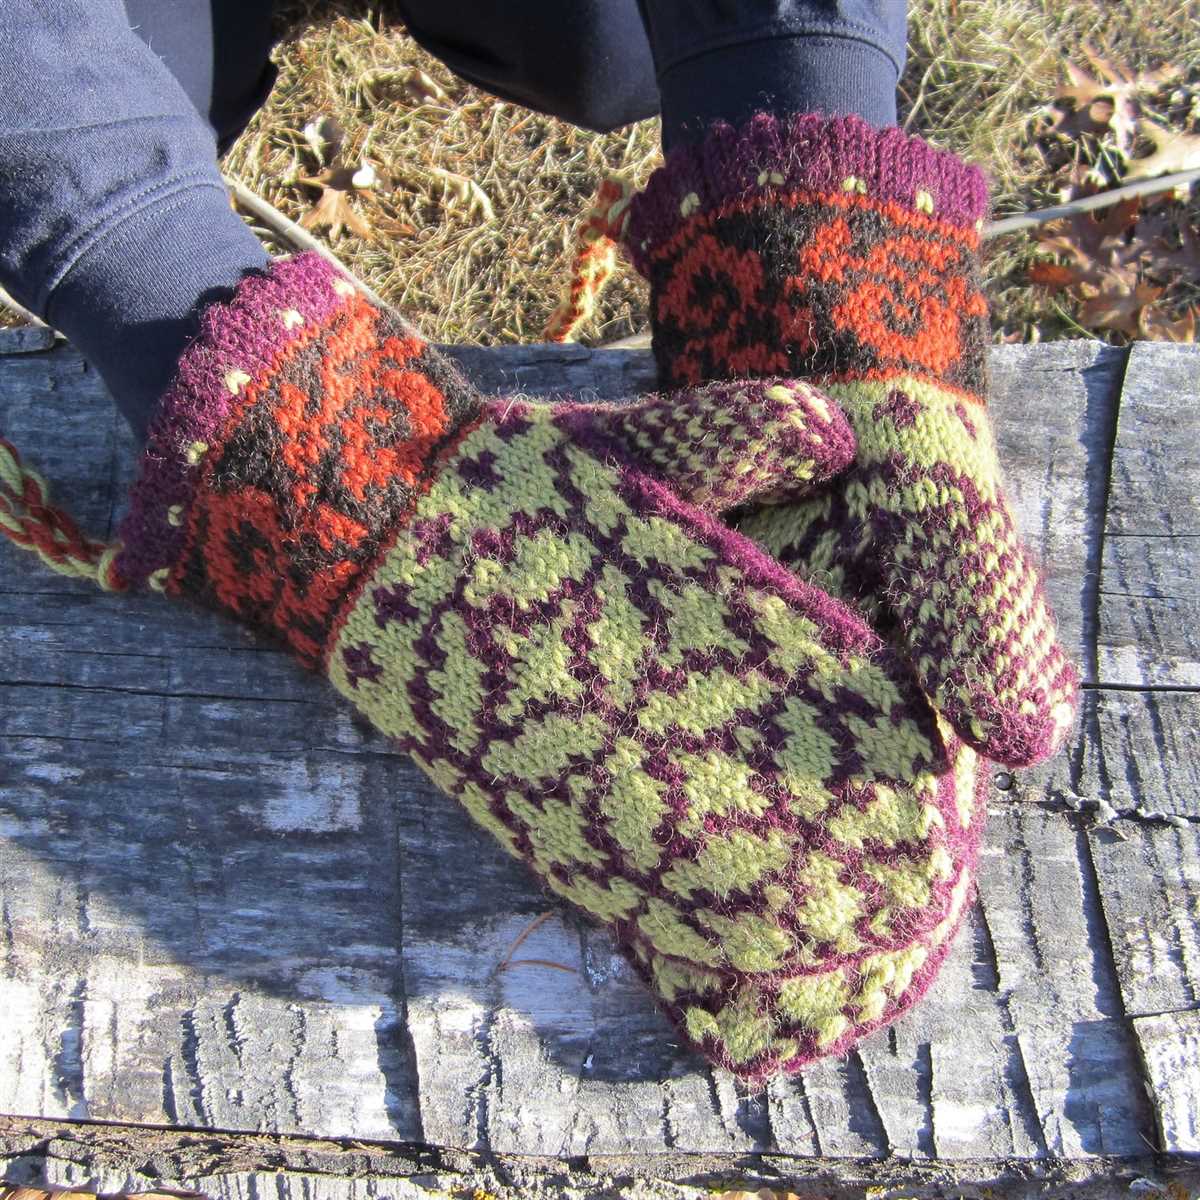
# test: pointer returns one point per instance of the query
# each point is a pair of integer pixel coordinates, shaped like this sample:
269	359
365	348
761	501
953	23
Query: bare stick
296	236
1143	187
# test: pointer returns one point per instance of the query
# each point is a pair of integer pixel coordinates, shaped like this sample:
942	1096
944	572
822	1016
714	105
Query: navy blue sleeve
727	59
115	226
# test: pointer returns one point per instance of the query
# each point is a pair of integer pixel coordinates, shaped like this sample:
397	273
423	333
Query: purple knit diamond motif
360	664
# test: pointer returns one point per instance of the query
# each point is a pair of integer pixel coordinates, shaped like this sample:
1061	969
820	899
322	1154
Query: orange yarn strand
595	258
28	519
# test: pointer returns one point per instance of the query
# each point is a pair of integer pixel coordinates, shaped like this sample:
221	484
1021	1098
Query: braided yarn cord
29	520
595	259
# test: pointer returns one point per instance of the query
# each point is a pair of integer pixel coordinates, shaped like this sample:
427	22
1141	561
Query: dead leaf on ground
1158	327
1104	102
1119	307
1160	229
392	228
1053	275
324	137
1100	248
334	210
1122	268
1173	151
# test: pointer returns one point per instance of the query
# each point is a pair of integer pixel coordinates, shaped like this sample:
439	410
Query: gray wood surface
226	905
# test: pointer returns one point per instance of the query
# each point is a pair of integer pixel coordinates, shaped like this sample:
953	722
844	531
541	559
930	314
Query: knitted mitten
759	1025
673	731
829	250
849	932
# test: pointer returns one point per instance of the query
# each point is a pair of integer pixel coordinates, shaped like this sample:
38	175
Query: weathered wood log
226	905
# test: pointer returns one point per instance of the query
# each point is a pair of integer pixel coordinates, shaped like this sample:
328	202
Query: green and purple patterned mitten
719	762
855	924
828	250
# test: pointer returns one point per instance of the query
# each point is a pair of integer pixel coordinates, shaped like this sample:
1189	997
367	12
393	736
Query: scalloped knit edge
803	152
238	341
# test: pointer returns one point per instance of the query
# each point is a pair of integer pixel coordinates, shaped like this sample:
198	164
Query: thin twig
1029	220
536	962
524	934
1143	187
295	236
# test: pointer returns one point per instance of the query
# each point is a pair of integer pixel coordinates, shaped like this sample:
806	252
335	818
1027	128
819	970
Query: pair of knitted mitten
827	250
848	256
719	762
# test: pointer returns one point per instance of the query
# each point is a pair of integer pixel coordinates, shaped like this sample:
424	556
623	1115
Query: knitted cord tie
28	519
595	258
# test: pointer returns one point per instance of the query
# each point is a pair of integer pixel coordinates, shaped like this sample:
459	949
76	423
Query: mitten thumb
726	444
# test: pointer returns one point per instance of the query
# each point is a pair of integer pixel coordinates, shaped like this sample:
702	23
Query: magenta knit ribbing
811	153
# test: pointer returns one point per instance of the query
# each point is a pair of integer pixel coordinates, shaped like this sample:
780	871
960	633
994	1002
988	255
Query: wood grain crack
68	1061
189	1048
753	1117
1016	1069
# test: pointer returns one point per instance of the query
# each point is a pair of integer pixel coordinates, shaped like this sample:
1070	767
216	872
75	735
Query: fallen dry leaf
324	137
1053	275
1173	151
392	227
334	210
1161	228
1119	307
1158	327
1103	102
1101	250
1121	269
365	177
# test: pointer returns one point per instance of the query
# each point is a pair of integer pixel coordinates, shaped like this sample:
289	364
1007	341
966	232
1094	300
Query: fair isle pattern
921	519
827	286
299	427
761	439
678	737
846	255
757	1027
694	747
238	341
318	461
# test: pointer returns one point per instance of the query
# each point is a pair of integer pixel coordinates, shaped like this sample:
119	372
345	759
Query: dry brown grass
463	279
979	71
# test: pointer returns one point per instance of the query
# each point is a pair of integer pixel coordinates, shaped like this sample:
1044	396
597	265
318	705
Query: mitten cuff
805	152
240	341
301	426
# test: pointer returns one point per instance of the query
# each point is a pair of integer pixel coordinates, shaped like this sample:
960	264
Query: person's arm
114	223
729	59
